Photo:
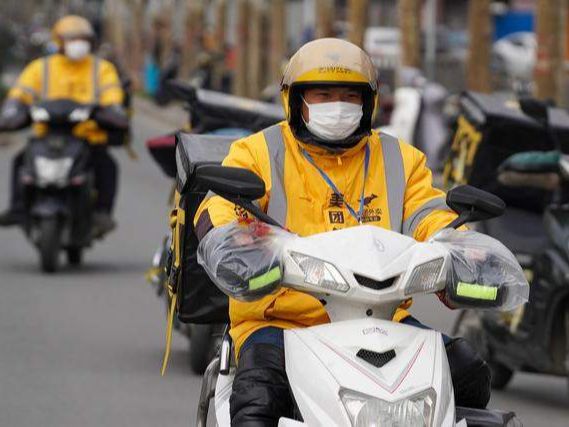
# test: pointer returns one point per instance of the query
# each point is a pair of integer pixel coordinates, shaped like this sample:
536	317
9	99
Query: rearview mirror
238	185
230	182
473	204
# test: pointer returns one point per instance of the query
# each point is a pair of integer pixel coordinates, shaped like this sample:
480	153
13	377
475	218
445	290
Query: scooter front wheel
75	256
49	243
501	375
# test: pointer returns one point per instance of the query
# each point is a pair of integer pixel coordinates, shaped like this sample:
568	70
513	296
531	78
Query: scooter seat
521	231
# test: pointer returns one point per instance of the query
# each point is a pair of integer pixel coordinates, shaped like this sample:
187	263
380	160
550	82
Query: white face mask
76	50
333	121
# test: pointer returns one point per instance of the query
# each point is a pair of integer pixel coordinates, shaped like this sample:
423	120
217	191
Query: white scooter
362	369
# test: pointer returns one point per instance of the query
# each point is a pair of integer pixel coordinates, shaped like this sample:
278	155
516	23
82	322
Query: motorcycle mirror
235	183
473	204
238	185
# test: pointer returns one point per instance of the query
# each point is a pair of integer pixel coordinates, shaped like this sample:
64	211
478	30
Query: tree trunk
166	33
278	38
325	14
255	80
549	68
193	36
219	43
358	19
136	42
242	42
220	24
480	30
410	25
114	29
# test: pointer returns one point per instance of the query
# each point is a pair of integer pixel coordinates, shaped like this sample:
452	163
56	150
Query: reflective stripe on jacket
89	81
398	195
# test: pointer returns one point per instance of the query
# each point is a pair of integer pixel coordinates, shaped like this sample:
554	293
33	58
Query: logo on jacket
369	199
336	201
336	217
241	213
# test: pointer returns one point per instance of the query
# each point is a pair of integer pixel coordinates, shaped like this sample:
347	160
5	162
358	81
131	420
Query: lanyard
358	216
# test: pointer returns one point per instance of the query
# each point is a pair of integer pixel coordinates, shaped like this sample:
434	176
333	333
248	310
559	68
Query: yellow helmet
329	61
71	26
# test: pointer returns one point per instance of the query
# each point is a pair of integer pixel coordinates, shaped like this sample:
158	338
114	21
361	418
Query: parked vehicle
534	338
418	115
514	56
341	373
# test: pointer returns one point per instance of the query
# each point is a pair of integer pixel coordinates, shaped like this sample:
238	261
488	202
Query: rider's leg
105	170
261	392
13	214
106	174
470	373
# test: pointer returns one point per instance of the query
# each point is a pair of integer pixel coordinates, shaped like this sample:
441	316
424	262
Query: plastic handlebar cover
483	273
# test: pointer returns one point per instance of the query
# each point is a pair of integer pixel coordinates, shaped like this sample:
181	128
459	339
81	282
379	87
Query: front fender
49	207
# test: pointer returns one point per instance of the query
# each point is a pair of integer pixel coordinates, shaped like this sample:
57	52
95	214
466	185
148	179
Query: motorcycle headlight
424	277
52	171
320	273
366	411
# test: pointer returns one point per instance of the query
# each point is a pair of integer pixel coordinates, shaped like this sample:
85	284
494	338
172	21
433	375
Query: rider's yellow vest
89	81
398	195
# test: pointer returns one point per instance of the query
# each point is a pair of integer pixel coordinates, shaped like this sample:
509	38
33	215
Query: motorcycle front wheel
75	256
49	243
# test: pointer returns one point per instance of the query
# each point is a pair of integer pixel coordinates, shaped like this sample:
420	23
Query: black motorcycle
57	185
535	227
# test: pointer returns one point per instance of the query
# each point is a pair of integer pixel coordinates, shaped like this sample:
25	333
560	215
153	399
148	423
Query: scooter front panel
322	361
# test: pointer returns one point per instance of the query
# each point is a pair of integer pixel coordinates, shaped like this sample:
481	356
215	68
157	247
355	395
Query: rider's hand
14	115
113	117
81	114
243	260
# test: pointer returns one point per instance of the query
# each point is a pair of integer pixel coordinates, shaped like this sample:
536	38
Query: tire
501	375
49	244
202	347
469	327
75	256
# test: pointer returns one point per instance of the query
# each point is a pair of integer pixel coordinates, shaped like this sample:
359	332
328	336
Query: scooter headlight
366	411
320	273
52	171
424	277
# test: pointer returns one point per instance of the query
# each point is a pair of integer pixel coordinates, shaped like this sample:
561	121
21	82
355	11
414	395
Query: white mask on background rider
76	49
334	113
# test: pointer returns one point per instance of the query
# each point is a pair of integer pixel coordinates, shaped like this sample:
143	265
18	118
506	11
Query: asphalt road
83	347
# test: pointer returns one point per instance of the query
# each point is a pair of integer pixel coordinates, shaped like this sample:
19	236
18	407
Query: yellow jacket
89	81
312	209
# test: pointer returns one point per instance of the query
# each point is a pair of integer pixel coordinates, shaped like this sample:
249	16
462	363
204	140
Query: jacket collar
66	61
